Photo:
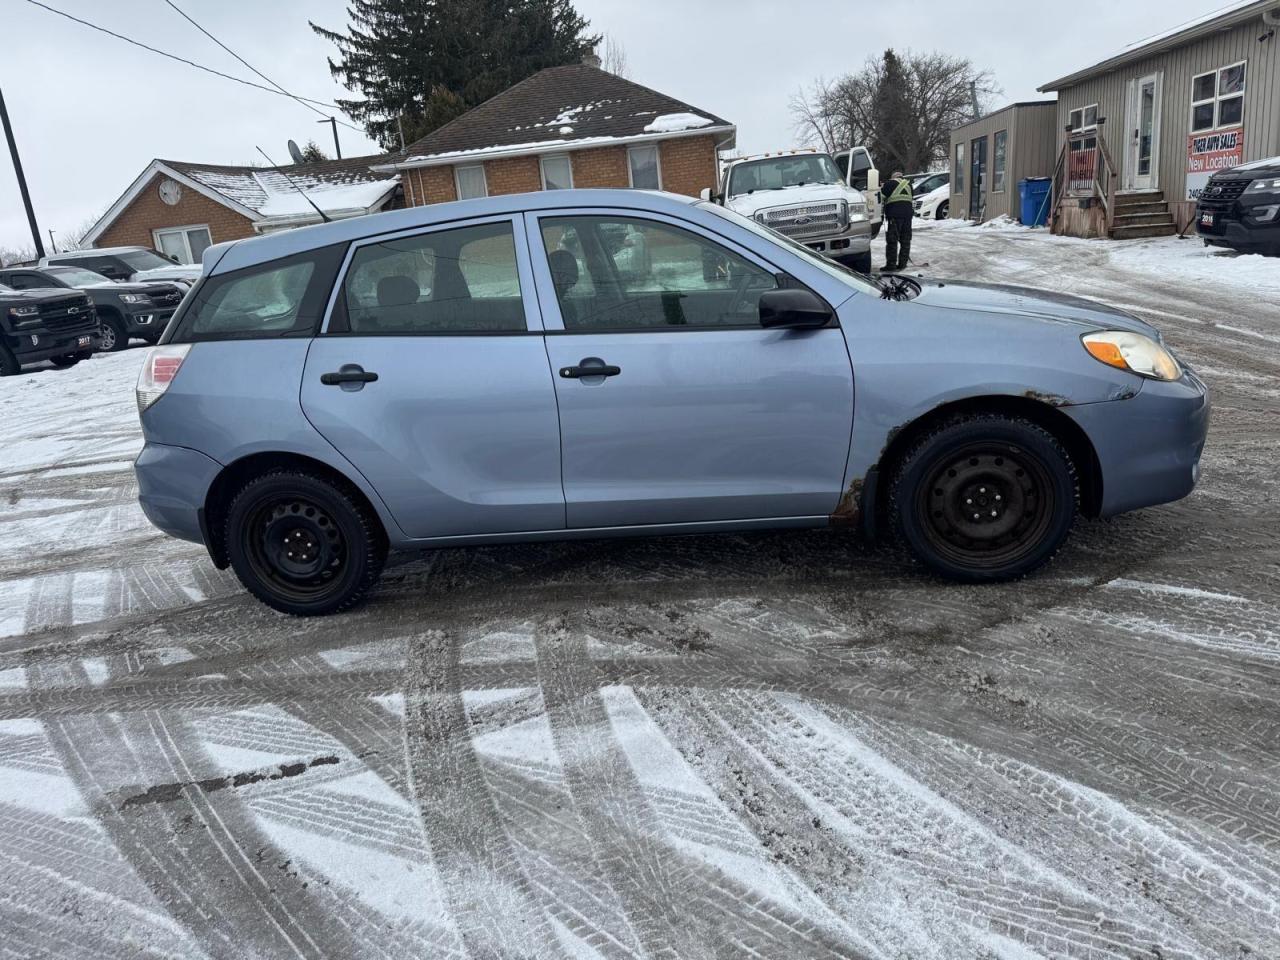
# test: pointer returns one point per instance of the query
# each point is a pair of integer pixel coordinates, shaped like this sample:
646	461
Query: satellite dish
295	152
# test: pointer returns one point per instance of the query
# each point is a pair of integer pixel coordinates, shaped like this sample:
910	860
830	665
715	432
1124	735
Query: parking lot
776	745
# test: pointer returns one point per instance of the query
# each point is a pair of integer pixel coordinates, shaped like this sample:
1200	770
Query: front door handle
585	370
351	376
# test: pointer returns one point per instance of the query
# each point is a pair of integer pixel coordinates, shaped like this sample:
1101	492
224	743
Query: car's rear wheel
114	335
302	544
944	208
985	498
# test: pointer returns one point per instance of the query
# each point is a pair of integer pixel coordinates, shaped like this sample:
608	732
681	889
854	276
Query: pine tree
420	63
312	153
892	116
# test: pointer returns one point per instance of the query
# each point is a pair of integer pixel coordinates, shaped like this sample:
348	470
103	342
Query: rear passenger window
283	298
463	280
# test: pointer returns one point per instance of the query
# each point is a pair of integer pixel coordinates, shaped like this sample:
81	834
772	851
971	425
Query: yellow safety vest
901	192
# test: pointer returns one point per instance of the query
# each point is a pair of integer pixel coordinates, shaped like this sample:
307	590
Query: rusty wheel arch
875	488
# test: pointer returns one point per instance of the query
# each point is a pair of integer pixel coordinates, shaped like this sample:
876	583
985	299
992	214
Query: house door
978	179
1144	133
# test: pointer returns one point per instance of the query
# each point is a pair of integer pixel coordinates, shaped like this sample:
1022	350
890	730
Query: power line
171	56
182	13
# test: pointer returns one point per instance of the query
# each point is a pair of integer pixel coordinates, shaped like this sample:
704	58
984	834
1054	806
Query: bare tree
73	239
614	58
934	97
10	256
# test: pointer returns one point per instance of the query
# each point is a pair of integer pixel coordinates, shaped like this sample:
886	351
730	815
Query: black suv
1240	208
125	310
56	325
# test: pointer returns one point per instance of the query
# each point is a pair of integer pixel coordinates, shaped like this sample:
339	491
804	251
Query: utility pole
52	242
22	180
973	99
333	122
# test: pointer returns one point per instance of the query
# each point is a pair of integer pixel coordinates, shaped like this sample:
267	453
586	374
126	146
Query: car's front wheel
302	544
114	335
984	498
944	208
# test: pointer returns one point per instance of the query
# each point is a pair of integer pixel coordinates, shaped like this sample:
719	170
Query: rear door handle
350	376
578	372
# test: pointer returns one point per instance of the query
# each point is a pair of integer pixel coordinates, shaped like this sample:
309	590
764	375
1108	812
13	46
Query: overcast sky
91	111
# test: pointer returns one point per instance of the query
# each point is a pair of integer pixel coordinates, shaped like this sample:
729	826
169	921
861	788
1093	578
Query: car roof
238	254
92	252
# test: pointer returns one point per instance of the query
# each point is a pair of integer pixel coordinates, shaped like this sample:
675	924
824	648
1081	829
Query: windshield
776	173
857	281
77	276
144	259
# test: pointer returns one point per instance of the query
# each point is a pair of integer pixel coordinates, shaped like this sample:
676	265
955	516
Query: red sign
1207	153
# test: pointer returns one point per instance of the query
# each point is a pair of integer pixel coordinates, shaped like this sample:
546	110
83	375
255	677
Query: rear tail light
159	369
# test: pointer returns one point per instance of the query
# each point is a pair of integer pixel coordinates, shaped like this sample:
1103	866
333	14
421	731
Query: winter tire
984	498
66	360
302	544
861	263
9	365
114	336
944	208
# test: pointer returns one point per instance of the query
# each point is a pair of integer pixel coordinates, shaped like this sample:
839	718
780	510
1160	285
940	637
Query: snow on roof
672	122
1189	25
284	201
269	193
482	152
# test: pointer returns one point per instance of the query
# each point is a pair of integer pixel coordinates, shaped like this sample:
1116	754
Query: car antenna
295	186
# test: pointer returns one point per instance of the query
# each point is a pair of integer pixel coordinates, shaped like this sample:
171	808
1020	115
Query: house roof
561	108
1223	18
1020	105
264	194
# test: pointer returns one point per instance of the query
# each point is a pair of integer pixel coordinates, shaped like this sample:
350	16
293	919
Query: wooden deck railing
1085	171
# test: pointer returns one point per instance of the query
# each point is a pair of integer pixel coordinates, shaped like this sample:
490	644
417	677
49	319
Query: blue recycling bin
1034	192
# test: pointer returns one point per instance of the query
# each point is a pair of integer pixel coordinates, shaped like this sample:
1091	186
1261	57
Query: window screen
448	281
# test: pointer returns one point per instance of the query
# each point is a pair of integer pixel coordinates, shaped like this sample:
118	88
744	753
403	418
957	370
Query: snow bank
675	122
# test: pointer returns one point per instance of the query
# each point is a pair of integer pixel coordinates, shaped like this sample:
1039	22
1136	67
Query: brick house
572	126
181	208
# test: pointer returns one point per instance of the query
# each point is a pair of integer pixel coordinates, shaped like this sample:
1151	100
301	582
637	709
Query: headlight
28	311
135	298
1264	185
1132	352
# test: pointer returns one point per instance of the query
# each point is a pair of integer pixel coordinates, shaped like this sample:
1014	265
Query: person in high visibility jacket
898	211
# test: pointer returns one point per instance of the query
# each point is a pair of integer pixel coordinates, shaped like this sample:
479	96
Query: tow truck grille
812	220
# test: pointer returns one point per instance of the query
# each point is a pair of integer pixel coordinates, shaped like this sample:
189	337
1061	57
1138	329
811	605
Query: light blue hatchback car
590	363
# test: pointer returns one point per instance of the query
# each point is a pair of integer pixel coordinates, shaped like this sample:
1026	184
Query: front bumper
47	344
1234	228
855	239
173	484
1149	445
148	323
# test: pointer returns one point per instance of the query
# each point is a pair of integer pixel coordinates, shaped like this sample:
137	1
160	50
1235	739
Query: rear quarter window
281	298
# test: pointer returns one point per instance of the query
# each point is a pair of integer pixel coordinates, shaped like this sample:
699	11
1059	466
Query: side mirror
873	180
793	310
705	194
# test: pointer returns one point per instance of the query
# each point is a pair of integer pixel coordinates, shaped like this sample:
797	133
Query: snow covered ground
782	745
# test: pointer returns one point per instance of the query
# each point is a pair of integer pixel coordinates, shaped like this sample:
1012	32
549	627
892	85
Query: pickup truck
127	264
125	310
1240	208
807	196
56	325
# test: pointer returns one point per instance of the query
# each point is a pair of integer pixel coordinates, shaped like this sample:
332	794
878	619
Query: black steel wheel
302	544
985	498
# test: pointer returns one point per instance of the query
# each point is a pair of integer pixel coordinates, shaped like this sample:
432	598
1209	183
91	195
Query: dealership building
1140	133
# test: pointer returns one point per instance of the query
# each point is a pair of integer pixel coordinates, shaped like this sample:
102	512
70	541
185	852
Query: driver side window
623	273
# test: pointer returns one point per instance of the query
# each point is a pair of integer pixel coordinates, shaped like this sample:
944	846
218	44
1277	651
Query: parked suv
802	195
1240	208
126	264
125	310
509	369
932	196
35	325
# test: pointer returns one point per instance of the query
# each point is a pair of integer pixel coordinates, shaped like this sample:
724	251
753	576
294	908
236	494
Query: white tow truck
829	203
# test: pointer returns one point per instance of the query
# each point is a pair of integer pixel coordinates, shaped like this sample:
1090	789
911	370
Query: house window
471	182
645	173
1084	118
184	244
557	173
1000	150
957	172
1217	98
